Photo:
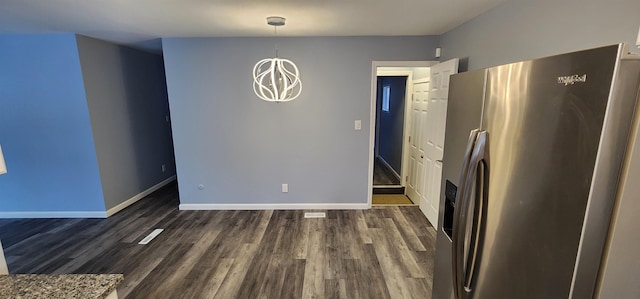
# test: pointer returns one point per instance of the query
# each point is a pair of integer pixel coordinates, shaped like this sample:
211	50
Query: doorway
391	115
425	116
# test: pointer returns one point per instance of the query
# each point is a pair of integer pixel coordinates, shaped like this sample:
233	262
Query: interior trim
54	214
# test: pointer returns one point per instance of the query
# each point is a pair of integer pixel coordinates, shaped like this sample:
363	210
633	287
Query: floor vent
150	236
315	215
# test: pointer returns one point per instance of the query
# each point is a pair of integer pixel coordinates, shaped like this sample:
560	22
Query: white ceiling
141	22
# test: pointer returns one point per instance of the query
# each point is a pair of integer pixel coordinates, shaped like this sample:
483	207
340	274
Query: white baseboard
4	270
140	196
275	206
54	214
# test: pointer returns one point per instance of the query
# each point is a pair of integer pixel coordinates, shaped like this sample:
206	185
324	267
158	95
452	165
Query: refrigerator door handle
458	235
479	174
463	228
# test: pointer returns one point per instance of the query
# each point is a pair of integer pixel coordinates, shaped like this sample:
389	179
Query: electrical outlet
285	188
164	168
357	125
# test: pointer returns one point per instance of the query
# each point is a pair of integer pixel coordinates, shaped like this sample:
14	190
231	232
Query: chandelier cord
275	35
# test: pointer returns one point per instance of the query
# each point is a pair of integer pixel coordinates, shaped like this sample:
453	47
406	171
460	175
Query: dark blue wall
45	129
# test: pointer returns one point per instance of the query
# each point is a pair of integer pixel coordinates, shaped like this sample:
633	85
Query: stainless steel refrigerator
536	157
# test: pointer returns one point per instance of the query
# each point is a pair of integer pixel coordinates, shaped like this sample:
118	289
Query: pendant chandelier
276	79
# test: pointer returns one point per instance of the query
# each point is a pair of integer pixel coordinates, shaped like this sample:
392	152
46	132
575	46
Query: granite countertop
28	286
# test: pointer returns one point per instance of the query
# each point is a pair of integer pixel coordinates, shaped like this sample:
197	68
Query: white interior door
419	102
434	137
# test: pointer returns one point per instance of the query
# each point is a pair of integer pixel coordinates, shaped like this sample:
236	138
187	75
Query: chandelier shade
276	80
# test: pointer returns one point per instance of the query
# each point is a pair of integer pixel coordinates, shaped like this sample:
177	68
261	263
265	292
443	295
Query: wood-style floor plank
314	281
384	252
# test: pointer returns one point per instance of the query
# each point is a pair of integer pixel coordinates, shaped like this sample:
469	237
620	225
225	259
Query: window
385	97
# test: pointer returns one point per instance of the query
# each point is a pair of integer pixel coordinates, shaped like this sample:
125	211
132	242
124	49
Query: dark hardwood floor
382	175
385	252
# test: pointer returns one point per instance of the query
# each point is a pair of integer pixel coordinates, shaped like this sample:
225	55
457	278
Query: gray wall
45	131
242	148
127	98
391	127
525	29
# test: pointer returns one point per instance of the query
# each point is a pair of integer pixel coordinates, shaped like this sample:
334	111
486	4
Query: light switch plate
285	188
358	125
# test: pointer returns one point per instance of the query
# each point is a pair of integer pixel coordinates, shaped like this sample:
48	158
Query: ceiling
141	23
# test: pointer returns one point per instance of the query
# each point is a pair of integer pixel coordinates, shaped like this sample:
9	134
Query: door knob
421	157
